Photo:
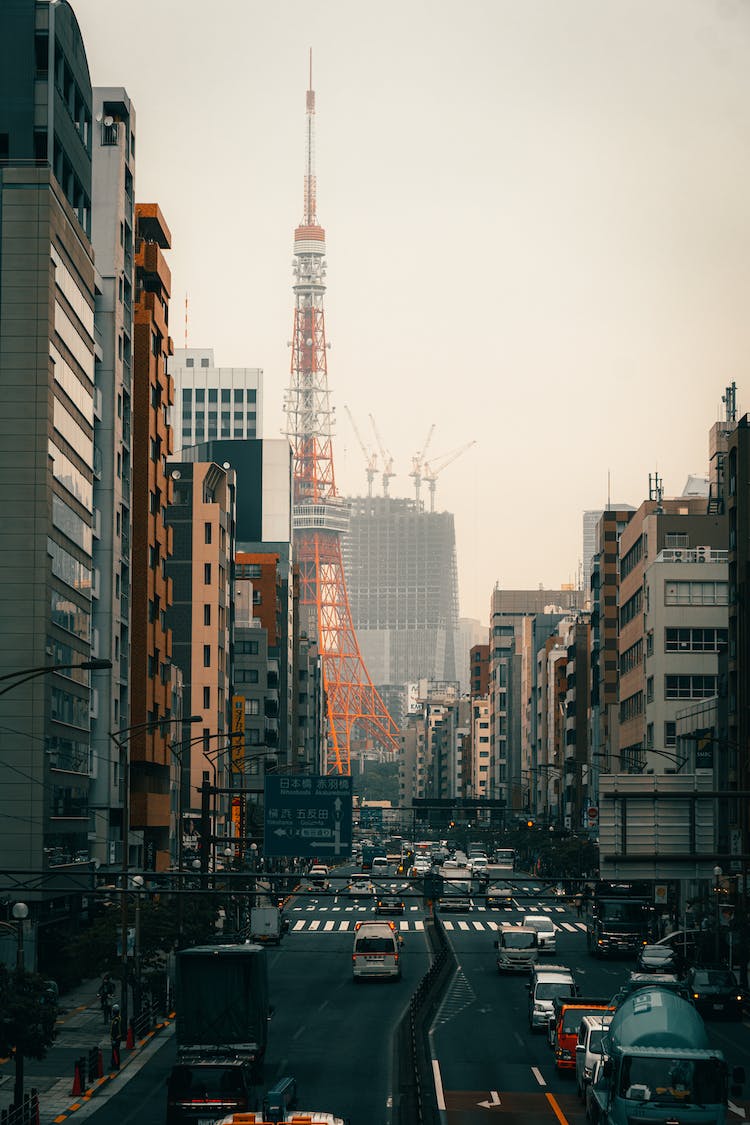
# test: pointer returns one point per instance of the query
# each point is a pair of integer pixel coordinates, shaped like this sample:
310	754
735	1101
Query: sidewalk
80	1028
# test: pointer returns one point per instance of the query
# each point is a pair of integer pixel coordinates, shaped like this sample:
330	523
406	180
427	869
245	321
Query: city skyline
537	236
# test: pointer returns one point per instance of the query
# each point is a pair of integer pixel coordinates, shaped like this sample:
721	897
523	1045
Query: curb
97	1086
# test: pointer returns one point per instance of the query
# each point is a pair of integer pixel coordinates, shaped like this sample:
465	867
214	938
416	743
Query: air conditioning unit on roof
702	554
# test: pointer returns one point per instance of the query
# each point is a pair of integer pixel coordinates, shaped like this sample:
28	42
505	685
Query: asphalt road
487	1059
336	1037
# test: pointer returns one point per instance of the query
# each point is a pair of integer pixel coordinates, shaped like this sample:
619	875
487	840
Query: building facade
214	403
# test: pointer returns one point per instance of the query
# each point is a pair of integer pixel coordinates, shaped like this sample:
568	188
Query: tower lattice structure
320	515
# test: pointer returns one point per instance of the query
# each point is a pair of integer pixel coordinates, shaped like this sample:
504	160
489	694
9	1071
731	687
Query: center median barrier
412	1066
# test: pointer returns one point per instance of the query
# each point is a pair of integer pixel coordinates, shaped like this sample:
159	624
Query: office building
47	417
112	227
211	402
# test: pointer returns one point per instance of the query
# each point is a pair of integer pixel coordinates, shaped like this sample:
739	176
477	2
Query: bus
505	858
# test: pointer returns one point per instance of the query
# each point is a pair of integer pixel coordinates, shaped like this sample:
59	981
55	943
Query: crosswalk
340	917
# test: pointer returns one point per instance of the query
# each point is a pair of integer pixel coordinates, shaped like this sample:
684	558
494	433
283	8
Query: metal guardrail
417	1102
25	1114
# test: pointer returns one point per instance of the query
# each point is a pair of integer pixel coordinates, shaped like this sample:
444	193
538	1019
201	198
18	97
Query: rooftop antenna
729	398
655	489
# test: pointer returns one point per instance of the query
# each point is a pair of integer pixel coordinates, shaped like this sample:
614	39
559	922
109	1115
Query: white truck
267	924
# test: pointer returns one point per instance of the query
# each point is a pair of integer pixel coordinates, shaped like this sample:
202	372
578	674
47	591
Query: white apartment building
480	746
210	402
685	626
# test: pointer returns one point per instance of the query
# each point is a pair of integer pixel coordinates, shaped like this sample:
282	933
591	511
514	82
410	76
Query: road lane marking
556	1109
329	926
438	1084
299	925
479	926
569	927
419	924
538	1075
314	924
344	925
463	925
448	925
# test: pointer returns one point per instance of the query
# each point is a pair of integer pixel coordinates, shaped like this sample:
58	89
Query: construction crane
385	457
371	459
431	471
418	463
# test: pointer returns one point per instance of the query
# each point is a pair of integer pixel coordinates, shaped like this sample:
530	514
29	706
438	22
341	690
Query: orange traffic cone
77	1080
130	1041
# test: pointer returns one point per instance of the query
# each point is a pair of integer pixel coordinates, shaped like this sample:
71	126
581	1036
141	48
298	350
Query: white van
545	929
381	865
548	982
517	948
589	1049
376	951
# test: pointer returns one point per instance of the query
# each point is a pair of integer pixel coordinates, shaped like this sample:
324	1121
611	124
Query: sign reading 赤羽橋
308	816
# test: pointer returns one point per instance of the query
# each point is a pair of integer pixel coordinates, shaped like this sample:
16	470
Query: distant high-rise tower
320	515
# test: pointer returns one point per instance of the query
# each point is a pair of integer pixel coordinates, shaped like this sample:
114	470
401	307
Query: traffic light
529	823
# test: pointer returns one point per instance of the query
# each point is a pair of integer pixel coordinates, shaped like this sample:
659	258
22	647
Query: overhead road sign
309	817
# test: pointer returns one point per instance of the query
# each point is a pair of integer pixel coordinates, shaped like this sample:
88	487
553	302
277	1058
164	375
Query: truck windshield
670	1081
630	912
519	940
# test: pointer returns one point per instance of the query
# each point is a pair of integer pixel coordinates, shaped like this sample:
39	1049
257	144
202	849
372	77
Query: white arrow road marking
738	1109
494	1100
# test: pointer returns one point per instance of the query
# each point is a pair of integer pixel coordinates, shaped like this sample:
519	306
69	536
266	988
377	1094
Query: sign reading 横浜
310	817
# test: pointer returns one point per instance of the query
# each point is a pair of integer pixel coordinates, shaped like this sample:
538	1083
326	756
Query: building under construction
402	582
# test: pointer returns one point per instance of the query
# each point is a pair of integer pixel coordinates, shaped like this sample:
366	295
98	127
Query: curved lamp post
23	675
122	746
20	913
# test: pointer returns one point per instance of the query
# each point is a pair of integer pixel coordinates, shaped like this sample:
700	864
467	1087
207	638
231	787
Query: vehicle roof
552	971
529	919
598	1023
520	929
657	1017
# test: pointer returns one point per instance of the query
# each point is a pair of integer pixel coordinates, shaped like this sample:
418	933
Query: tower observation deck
320	516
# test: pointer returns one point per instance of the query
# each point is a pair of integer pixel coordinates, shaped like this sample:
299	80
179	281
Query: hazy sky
538	233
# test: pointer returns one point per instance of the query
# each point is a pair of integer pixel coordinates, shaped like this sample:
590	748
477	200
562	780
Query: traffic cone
130	1041
77	1080
99	1064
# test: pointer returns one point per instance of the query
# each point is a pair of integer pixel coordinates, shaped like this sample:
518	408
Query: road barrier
25	1114
417	1102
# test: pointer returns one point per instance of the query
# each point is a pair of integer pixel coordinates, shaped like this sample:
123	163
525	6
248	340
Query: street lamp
717	877
24	674
122	745
20	913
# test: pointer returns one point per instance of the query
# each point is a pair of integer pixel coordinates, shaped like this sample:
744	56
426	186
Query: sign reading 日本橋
308	816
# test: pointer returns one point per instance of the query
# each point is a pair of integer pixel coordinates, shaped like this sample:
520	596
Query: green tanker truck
659	1066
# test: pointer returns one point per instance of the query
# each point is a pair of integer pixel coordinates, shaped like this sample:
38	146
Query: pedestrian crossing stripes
414	925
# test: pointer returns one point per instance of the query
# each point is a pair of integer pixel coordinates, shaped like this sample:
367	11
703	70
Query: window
689	687
676	539
204	361
252	707
206	697
247	648
650	735
207	574
694	640
631	707
631	558
207	532
631	658
190	362
213	394
246	675
239	395
650	690
226	394
206	614
206	656
632	607
670	734
695	593
200	394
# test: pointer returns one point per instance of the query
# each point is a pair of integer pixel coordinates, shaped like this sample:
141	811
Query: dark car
389	904
716	992
202	1091
640	981
659	959
499	894
689	944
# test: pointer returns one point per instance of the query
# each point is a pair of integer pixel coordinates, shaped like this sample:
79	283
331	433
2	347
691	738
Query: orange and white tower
320	515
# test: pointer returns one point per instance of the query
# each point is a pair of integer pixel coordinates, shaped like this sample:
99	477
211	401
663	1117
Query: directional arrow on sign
494	1102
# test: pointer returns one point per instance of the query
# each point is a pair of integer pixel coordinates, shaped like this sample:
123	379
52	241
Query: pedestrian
579	904
115	1036
105	994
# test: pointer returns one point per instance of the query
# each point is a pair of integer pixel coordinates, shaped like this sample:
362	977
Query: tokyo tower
320	515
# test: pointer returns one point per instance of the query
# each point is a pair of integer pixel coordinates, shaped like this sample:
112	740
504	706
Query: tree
27	1019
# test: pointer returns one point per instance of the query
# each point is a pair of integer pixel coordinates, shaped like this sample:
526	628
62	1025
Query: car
659	959
545	928
361	888
318	876
498	894
389	903
225	1083
596	1094
716	992
638	981
688	943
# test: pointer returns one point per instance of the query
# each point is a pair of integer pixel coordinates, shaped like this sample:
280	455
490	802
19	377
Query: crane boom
371	458
432	470
385	455
418	462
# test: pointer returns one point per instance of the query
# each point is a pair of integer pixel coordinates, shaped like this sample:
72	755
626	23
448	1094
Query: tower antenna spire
320	516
